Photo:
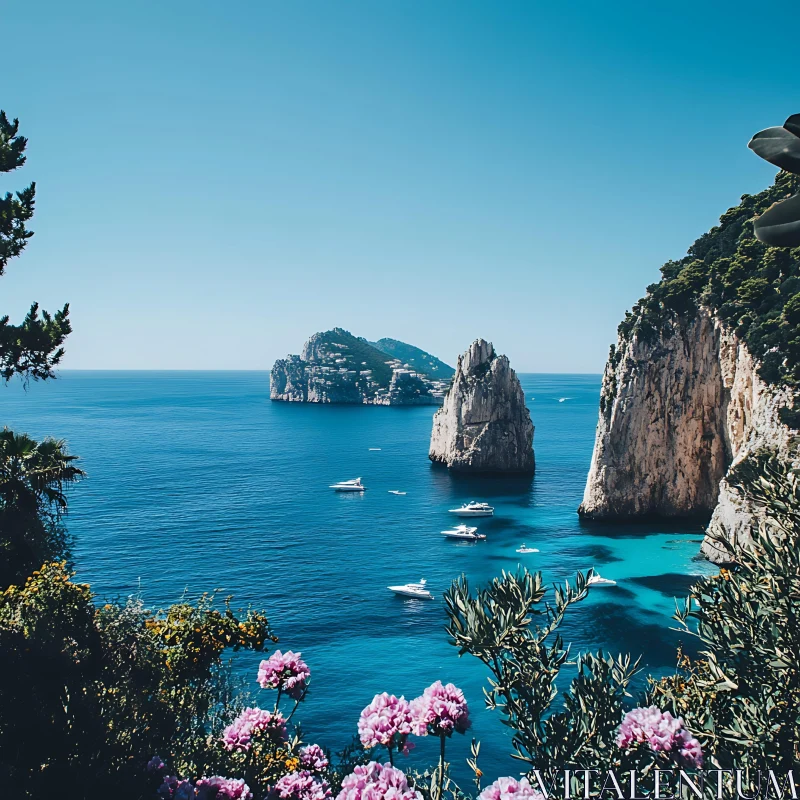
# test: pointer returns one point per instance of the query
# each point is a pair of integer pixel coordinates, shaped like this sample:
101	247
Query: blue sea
197	482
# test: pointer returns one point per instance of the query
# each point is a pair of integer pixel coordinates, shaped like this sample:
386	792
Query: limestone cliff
484	425
337	367
705	372
675	414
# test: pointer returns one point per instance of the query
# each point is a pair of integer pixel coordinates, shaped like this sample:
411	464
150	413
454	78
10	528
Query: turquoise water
196	481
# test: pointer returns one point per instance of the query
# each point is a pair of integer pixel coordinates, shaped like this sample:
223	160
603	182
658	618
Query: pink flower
217	788
285	671
386	720
155	764
440	711
662	733
510	789
375	781
301	786
313	757
253	722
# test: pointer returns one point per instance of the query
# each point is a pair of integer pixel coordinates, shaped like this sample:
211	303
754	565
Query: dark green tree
32	474
34	347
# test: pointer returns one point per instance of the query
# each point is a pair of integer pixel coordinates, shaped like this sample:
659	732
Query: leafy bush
742	699
97	691
497	626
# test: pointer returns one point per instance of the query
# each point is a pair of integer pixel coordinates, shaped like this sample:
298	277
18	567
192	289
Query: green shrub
742	698
90	694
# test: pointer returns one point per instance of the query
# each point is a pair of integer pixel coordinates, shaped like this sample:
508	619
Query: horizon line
266	371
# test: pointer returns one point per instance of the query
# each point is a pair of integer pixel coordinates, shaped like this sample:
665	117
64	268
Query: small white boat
349	486
394	491
416	590
525	549
374	449
464	532
473	510
596	580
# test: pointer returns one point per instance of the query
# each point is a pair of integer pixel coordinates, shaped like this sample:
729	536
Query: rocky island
484	425
337	367
702	377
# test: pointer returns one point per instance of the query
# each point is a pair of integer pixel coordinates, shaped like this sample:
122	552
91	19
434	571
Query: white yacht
417	590
394	491
596	580
464	532
473	510
349	486
526	549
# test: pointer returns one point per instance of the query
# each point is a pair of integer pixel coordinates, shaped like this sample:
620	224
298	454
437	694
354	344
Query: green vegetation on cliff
416	358
754	288
355	352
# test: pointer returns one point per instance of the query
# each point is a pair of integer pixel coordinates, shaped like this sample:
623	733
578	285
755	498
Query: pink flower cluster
173	788
440	711
301	786
253	722
510	789
375	781
662	733
313	757
386	720
285	671
217	788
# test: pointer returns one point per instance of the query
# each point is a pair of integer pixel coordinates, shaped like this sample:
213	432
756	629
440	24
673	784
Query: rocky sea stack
703	376
484	425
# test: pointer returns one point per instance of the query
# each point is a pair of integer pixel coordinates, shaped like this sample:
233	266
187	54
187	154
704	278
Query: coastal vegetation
32	474
752	287
417	359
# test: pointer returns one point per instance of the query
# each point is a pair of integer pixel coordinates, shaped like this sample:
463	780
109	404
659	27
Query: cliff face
677	410
484	425
337	367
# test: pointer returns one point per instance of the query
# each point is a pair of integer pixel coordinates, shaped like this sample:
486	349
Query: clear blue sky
217	181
